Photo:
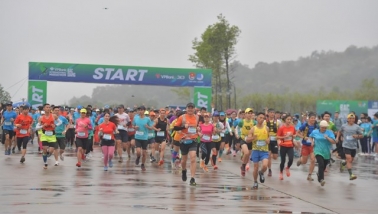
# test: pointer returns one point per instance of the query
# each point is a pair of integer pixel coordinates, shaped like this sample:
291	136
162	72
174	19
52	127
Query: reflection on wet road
27	188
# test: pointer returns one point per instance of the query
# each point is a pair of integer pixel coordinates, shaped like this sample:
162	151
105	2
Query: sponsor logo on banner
61	72
374	105
192	76
157	76
199	77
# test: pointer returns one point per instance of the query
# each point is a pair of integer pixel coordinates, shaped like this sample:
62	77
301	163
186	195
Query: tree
214	51
4	95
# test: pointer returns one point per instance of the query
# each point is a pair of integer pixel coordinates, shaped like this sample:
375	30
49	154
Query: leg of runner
22	141
162	149
144	156
273	154
321	168
214	152
8	140
290	152
44	153
349	156
106	152
153	151
245	159
221	148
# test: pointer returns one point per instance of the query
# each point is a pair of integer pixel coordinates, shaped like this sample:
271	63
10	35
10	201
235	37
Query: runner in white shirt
122	137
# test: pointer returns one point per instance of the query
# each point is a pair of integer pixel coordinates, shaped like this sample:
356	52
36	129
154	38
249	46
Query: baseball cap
152	113
83	110
190	105
146	113
8	103
131	110
323	123
106	107
350	116
42	112
249	110
79	107
97	109
222	114
216	114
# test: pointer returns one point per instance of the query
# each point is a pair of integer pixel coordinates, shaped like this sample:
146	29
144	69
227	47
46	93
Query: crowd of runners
202	135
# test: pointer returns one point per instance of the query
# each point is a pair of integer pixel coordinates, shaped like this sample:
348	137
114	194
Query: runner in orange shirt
23	125
286	134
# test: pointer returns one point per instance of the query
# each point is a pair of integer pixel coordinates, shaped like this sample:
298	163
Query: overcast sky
159	33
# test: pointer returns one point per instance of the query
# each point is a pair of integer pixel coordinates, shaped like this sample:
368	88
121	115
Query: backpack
305	132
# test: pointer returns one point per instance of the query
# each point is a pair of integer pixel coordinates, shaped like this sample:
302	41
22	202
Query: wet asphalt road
28	188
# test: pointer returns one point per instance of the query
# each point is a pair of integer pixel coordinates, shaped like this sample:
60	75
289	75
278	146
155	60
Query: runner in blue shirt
8	127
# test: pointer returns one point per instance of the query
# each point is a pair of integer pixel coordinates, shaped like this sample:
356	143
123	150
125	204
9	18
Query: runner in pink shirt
83	125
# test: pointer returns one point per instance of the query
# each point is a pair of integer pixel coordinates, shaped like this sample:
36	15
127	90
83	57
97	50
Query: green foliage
215	50
4	95
300	102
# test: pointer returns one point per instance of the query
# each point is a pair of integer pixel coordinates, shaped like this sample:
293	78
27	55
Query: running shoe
299	162
342	167
83	157
22	159
242	171
255	185
161	162
219	159
287	172
215	167
78	164
152	159
309	178
270	173
193	182
143	167
183	175
61	157
45	166
110	163
281	176
105	168
322	182
120	160
229	152
262	178
56	163
9	151
205	168
247	167
202	164
137	161
177	163
352	177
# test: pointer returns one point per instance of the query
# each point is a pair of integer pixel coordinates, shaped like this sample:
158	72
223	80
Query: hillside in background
321	71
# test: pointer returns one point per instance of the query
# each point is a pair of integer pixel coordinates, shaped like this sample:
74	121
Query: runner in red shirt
23	125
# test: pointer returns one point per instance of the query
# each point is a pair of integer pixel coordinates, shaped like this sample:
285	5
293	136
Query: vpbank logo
192	76
51	68
157	76
199	77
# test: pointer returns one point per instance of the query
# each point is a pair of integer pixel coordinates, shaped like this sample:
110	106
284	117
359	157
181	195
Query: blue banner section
115	74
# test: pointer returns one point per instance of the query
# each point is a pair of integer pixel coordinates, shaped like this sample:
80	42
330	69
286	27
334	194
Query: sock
174	155
44	156
350	171
220	153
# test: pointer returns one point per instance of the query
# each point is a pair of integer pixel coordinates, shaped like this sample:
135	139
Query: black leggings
290	152
322	163
364	144
70	136
22	141
89	145
207	152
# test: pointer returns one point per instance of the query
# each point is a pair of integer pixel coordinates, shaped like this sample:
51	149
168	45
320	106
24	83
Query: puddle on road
48	189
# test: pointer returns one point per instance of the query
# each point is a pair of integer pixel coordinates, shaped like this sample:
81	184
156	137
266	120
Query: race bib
49	133
23	131
206	137
107	137
81	134
188	141
222	134
273	138
349	137
150	134
261	143
139	133
192	130
130	130
8	123
121	127
160	134
215	137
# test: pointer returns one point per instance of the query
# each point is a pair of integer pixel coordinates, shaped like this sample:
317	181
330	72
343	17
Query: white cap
97	109
323	123
42	112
